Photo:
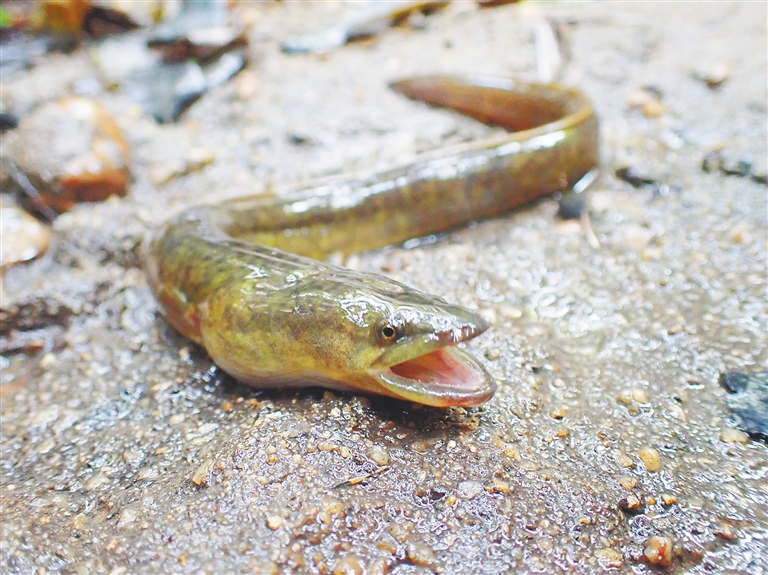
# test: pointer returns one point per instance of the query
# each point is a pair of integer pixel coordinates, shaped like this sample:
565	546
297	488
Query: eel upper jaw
431	371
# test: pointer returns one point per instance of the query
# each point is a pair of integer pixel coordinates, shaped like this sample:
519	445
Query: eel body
243	279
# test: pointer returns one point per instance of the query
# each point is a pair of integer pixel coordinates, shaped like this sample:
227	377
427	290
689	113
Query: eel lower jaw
445	377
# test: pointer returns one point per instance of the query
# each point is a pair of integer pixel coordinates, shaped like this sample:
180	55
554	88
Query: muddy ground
124	450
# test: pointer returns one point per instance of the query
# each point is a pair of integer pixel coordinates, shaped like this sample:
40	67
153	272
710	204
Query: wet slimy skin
243	279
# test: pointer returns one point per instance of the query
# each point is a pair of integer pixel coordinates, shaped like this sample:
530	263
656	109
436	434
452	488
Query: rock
729	435
715	76
420	554
628	482
24	238
749	400
635	177
168	68
71	151
248	85
349	565
658	551
609	558
668	499
8	121
650	458
571	206
274	522
631	504
378	455
648	101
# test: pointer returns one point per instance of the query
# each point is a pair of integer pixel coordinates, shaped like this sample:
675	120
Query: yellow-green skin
229	277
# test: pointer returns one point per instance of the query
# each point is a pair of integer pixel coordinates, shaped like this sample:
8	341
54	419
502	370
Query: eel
243	278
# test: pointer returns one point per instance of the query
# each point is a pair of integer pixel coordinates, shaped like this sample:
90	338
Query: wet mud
609	446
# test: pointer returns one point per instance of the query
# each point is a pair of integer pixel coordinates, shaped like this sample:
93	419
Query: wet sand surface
609	445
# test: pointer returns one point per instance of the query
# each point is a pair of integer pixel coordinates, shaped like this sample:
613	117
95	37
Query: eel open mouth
442	376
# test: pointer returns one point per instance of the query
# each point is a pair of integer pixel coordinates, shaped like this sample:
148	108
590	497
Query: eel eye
388	332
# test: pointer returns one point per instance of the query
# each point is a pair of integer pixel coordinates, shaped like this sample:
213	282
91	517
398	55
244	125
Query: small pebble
748	400
624	460
492	354
469	489
658	551
400	530
419	446
378	454
128	516
712	162
742	236
331	505
387	544
499	486
79	521
628	483
274	522
557	413
378	567
96	481
675	329
571	206
648	101
146	473
639	395
8	121
635	177
714	77
325	518
247	84
668	499
724	530
201	474
349	565
609	558
730	435
512	452
47	360
420	554
650	458
625	397
24	238
631	504
176	418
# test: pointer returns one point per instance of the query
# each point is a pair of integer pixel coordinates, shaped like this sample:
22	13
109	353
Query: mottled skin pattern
273	318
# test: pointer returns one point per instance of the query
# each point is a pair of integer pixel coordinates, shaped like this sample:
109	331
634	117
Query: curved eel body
237	278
